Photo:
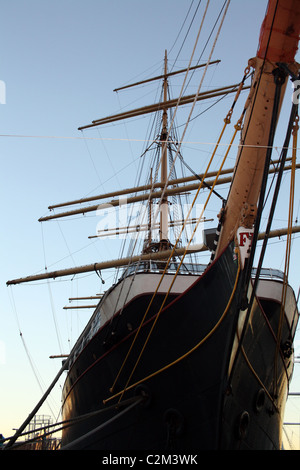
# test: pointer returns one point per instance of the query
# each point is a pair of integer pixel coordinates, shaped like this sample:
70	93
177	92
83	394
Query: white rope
196	142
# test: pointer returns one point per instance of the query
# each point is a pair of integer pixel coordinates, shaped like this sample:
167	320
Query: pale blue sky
60	61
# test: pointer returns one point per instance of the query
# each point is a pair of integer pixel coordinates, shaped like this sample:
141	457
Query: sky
60	61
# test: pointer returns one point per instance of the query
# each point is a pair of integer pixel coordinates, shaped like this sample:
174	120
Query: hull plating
202	393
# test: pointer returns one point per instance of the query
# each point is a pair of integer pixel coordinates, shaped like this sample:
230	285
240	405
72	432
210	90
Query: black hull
195	397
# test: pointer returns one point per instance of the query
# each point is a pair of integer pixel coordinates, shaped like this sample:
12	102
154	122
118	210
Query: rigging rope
182	25
285	147
194	103
69	422
255	374
187	33
227	121
288	245
196	95
81	439
165	143
171	256
285	280
34	368
208	39
50	292
237	127
200	343
199	178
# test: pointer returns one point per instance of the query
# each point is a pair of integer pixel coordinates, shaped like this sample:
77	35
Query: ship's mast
164	162
246	184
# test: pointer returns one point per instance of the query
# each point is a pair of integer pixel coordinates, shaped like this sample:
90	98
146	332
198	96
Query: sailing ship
179	355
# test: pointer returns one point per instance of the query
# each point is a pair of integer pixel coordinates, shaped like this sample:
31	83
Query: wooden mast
246	183
154	195
165	75
164	163
160	255
278	43
152	108
124	192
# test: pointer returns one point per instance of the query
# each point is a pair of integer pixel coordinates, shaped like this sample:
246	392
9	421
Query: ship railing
159	266
142	267
189	268
269	273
